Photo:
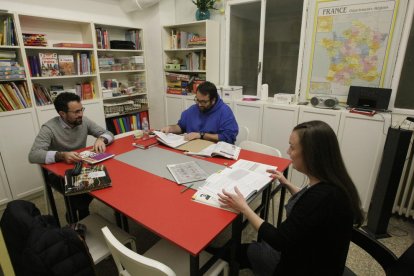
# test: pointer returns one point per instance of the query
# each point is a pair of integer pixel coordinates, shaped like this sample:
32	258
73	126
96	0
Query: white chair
261	148
95	239
163	258
243	135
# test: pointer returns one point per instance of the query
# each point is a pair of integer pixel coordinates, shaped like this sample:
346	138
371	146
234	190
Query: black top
315	237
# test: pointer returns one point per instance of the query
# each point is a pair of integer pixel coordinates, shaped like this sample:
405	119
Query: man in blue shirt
209	119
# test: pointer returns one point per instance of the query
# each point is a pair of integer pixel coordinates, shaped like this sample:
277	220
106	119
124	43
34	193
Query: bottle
145	128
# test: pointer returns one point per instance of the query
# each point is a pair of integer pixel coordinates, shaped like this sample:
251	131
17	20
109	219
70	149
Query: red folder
146	143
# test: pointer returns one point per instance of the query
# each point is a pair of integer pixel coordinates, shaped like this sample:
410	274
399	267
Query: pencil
186	188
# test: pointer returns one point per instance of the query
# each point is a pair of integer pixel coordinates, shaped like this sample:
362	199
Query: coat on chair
37	246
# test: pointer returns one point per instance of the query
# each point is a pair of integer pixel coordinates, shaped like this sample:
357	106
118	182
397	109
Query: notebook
91	157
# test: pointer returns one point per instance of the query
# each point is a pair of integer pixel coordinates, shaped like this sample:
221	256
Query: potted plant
203	8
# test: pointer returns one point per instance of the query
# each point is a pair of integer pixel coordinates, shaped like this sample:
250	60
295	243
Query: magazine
90	179
187	172
95	157
220	149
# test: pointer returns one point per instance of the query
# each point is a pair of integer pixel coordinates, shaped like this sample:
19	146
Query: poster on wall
350	46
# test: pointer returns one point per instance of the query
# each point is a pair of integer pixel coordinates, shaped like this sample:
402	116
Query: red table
158	204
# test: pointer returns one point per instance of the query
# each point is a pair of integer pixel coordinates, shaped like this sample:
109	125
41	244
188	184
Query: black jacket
315	237
37	246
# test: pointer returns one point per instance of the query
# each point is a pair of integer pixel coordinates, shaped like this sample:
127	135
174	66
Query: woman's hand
235	201
276	175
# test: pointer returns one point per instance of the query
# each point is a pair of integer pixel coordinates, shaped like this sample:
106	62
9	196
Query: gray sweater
53	136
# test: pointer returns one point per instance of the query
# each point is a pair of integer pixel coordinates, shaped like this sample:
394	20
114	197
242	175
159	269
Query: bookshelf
191	54
122	74
72	49
181	78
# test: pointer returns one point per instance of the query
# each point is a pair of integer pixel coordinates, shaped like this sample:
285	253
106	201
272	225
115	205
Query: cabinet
278	122
250	114
362	140
122	76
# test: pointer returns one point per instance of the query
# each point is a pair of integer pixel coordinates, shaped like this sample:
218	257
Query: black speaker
388	179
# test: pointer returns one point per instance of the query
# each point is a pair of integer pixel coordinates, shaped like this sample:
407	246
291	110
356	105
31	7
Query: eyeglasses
79	111
202	102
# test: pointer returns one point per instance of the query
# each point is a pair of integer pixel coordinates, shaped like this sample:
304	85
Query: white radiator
404	200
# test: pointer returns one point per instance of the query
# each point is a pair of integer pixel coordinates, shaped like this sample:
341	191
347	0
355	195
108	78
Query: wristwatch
104	140
202	135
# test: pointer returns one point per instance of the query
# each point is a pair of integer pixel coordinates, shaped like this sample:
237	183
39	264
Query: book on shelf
67	65
147	143
73	45
187	172
220	149
49	65
87	91
90	179
248	182
91	157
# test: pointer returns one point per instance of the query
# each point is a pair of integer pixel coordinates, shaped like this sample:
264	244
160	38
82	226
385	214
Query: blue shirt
218	120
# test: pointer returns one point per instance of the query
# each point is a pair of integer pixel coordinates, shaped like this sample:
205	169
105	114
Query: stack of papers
187	172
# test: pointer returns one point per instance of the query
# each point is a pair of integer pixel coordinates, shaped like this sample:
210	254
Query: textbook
220	149
145	143
170	139
90	179
187	172
248	182
95	157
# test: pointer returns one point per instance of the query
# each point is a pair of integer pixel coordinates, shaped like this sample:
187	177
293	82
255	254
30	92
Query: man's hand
191	136
68	157
99	145
166	129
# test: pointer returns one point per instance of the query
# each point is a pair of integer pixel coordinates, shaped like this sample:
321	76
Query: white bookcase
175	39
19	127
121	70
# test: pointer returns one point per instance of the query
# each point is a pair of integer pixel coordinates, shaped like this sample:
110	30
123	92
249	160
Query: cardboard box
107	93
231	92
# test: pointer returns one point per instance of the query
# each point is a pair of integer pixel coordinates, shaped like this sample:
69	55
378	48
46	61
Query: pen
186	188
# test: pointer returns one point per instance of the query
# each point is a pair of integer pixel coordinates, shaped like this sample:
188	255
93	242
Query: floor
401	231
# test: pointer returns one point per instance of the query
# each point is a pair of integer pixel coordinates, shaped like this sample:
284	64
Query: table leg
282	200
194	265
50	196
236	229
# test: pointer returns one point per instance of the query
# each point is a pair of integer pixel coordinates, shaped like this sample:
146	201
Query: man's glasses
202	102
77	112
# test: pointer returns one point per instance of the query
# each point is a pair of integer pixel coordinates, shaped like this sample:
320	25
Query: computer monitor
369	97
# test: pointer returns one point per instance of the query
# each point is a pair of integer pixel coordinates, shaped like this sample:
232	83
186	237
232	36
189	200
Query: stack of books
34	39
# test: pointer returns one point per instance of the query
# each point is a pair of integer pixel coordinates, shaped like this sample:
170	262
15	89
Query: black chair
392	265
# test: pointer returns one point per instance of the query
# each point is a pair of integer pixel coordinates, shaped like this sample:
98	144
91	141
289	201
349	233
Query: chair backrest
243	135
131	262
377	250
260	148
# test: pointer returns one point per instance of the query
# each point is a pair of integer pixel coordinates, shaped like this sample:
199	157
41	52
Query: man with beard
60	136
210	118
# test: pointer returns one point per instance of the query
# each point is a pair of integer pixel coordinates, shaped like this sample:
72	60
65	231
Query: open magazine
220	149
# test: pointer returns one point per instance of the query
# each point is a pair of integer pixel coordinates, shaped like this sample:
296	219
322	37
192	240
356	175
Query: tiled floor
401	231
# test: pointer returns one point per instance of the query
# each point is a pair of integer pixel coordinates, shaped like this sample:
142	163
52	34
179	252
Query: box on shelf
171	66
283	98
230	92
107	93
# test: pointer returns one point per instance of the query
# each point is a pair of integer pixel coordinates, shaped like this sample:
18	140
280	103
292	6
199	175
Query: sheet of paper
253	166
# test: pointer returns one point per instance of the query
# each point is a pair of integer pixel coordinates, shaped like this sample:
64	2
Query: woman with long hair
314	239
